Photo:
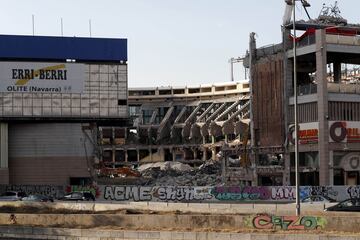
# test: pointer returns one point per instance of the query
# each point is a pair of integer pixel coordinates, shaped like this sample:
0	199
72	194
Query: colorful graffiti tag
46	190
171	193
240	193
283	193
124	193
192	193
286	222
326	191
181	194
353	191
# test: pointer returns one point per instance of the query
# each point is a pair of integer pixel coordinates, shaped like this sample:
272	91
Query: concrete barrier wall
87	234
114	193
325	223
203	208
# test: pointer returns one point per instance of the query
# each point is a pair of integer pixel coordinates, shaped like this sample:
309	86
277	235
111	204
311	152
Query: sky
170	42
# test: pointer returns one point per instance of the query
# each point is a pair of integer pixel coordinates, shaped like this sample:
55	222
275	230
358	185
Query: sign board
344	131
339	131
308	133
351	162
35	77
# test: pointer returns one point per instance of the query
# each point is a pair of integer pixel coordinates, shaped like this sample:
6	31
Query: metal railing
353	88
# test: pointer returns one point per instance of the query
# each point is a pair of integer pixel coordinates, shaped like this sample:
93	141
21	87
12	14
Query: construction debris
117	172
178	174
177	166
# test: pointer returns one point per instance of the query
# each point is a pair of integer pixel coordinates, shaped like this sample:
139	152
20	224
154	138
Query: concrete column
322	105
337	72
213	153
195	153
150	154
138	154
331	166
113	154
205	155
126	155
161	153
255	176
287	170
173	154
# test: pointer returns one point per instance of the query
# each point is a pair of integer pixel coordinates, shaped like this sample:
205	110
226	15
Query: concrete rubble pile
179	174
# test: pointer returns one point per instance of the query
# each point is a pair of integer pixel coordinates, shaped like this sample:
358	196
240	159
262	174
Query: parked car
317	199
38	198
79	196
349	205
12	196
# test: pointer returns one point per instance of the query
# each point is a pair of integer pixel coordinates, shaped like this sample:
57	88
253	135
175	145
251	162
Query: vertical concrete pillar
173	154
205	155
126	135
337	72
161	154
150	154
255	176
213	153
331	166
138	154
287	169
322	106
4	158
113	154
195	153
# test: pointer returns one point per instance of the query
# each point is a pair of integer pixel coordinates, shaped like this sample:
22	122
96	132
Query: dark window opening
122	102
80	181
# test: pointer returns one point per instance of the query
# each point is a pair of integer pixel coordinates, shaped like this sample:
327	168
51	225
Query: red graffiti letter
262	222
294	223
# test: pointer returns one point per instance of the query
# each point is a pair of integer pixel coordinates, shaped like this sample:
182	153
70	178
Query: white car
12	196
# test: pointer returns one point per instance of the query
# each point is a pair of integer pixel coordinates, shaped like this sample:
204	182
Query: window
122	102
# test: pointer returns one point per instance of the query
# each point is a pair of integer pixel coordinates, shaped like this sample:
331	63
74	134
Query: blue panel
61	48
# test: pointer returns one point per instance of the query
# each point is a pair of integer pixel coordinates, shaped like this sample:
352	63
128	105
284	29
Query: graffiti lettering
46	190
354	191
287	222
324	191
175	193
180	194
287	193
191	193
122	193
238	193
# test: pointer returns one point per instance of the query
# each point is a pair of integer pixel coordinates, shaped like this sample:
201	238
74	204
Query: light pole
297	182
296	118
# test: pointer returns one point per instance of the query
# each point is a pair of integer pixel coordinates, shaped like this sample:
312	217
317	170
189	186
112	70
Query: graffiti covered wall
46	190
116	193
220	193
265	221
